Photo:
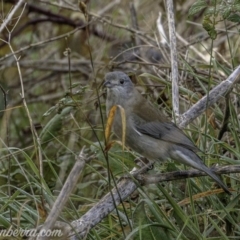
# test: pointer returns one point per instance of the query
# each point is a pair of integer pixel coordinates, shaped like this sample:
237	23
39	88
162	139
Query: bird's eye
121	81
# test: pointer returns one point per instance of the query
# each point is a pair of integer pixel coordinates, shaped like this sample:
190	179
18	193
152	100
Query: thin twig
161	31
32	127
39	43
10	16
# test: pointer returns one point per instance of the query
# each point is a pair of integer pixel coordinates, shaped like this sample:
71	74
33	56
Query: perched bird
148	132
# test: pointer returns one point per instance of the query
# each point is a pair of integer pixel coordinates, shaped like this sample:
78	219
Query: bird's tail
190	158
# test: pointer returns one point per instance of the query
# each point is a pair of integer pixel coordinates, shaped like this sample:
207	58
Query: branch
174	61
128	186
102	208
170	176
64	194
214	95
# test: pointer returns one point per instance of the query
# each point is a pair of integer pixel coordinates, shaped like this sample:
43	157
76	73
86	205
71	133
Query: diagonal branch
214	95
125	188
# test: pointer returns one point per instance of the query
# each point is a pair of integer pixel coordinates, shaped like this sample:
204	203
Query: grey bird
148	132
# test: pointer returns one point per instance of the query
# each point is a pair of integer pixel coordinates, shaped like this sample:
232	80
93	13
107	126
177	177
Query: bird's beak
107	84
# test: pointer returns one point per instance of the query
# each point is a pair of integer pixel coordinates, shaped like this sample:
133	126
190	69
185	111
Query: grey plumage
148	132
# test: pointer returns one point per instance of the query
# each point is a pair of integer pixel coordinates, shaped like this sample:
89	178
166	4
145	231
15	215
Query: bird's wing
166	131
150	121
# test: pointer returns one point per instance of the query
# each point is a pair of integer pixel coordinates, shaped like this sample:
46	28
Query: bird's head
119	85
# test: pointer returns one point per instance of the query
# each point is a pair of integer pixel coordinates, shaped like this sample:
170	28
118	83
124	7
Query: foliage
215	12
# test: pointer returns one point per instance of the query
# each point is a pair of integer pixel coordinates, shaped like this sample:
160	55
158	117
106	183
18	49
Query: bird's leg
143	164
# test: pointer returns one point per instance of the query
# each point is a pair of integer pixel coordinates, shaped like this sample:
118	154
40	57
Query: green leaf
213	34
210	11
197	7
54	125
209	27
207	24
226	12
234	18
237	7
